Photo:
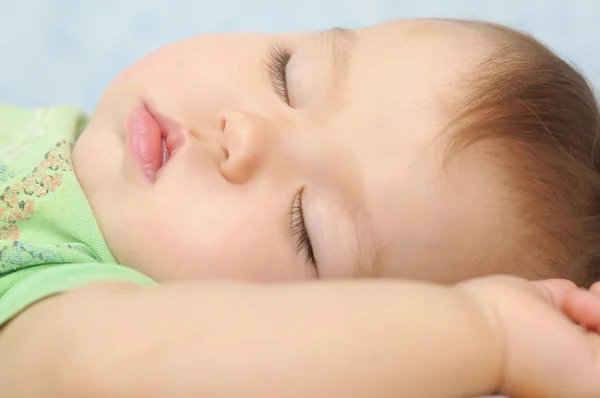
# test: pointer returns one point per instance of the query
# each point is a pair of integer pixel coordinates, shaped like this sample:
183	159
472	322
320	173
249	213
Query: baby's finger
595	288
555	290
583	307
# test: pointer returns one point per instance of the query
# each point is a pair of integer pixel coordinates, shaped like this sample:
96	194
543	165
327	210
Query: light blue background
67	51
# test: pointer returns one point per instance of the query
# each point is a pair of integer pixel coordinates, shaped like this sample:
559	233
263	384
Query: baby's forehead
399	77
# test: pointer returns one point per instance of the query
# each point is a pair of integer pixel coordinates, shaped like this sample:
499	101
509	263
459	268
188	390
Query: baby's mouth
153	139
166	154
171	136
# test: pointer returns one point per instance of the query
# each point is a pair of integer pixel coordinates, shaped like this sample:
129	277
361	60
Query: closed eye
299	231
277	61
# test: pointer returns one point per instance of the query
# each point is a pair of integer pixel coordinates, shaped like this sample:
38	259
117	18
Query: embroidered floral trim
17	202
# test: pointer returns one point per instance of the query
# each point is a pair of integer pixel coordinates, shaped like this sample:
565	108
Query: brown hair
541	116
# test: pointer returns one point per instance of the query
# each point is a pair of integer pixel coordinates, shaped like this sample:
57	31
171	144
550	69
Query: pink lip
148	135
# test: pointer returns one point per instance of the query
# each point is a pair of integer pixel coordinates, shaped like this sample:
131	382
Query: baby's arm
350	339
354	339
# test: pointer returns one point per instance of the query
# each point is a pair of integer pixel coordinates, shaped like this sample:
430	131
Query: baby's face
291	157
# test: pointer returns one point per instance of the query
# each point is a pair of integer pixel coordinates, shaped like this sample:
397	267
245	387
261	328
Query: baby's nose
244	139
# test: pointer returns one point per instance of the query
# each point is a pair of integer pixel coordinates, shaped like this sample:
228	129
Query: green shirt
50	241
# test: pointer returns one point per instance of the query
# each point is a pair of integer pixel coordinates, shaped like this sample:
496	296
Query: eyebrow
364	262
365	252
339	43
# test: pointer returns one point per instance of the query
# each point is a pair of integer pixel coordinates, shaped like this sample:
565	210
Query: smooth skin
327	339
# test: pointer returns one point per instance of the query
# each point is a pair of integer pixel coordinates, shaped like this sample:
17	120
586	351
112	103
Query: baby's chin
84	157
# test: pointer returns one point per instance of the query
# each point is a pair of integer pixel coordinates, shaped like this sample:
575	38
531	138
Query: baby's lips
145	142
171	131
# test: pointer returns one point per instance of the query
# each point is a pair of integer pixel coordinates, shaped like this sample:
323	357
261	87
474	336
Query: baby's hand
550	332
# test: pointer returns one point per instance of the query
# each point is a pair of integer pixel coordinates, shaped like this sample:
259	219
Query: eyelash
279	57
299	231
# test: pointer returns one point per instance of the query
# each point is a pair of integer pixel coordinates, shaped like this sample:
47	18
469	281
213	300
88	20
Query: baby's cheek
138	72
151	68
260	255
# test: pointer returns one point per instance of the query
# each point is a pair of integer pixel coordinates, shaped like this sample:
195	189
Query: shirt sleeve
51	280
